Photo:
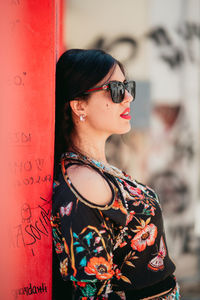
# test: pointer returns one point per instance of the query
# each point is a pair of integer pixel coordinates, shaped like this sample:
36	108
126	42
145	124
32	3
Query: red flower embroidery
144	237
81	283
123	244
118	274
59	248
100	267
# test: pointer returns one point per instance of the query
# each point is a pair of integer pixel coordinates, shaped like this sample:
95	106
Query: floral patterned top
107	251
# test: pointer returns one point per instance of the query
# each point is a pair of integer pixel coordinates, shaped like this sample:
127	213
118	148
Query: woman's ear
78	107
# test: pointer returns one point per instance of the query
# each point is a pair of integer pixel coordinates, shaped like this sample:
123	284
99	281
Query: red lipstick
125	114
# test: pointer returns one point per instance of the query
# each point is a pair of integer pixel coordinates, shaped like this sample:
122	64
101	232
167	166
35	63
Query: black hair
77	70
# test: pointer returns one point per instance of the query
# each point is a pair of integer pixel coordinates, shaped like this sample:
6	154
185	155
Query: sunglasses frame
107	86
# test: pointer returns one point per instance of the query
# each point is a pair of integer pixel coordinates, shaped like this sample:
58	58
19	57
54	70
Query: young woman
107	228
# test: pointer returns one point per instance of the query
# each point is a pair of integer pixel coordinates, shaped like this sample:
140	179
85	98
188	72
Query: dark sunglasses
117	89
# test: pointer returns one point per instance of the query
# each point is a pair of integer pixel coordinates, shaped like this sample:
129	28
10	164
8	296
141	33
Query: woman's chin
124	130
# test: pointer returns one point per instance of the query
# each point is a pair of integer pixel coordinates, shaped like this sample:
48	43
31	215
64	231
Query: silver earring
82	118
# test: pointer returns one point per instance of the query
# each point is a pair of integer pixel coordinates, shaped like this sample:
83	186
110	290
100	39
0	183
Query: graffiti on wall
170	52
30	231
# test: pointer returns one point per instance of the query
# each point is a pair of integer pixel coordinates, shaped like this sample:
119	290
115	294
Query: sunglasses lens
130	87
117	91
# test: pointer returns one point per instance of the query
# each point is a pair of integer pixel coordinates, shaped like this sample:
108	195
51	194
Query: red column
34	27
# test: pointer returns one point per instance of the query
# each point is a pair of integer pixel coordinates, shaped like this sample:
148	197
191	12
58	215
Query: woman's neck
93	147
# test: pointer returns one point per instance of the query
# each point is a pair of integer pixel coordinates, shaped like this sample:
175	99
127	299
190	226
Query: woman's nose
127	97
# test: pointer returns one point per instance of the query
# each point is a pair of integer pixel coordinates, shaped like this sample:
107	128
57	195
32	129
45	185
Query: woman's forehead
114	74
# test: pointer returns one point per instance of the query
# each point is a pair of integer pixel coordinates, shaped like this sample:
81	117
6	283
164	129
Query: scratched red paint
36	30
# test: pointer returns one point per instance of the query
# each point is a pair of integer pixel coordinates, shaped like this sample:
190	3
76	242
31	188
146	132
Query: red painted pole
35	42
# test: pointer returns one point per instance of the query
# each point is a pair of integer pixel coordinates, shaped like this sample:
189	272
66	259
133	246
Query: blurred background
158	41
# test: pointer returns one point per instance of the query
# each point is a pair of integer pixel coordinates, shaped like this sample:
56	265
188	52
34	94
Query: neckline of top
99	164
112	170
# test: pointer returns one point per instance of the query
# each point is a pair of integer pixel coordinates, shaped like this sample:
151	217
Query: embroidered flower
87	290
145	237
97	239
118	273
81	283
123	244
130	217
63	267
118	205
149	206
99	267
58	248
134	191
152	211
99	249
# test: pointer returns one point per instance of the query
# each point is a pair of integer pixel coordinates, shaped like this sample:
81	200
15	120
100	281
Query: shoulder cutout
90	184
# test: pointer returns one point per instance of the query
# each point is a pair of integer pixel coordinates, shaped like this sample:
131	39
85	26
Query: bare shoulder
90	184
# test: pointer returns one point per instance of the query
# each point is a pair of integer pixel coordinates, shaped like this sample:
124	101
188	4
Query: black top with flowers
108	251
